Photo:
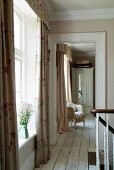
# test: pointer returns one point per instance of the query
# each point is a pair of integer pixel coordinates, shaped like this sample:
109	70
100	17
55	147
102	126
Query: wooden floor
71	149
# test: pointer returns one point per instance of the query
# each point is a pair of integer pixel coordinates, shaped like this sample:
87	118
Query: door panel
82	87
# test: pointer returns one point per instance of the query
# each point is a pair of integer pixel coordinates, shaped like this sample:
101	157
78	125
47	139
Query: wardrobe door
82	87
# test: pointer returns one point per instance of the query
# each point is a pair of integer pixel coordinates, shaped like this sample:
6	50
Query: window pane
18	79
17	31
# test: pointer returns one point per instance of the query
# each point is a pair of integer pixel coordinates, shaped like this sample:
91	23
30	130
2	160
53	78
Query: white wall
27	155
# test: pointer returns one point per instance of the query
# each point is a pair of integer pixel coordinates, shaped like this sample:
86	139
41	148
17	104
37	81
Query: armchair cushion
75	112
79	115
79	107
73	106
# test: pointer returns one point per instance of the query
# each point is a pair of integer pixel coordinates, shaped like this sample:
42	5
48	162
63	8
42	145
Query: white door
82	87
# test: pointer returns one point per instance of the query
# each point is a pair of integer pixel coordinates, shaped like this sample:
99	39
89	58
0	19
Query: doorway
83	75
100	72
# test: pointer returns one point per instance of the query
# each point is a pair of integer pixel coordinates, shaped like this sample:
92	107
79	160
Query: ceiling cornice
83	14
106	13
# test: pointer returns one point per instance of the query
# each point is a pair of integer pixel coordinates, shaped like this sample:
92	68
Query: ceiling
83	48
69	5
80	10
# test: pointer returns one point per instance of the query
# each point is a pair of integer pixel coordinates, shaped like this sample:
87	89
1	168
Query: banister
107	129
94	111
110	111
104	123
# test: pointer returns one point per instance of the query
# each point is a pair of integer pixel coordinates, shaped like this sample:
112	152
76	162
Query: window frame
21	54
21	18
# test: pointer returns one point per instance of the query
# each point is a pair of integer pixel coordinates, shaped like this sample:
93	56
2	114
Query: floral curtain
67	79
8	126
62	120
40	9
66	50
68	53
42	115
67	60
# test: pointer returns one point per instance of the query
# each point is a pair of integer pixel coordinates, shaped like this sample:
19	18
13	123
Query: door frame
99	38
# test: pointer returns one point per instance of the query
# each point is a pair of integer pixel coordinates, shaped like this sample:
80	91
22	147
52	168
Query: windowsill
23	142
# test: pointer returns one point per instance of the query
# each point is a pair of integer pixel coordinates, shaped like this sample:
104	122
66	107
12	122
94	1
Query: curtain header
66	50
40	9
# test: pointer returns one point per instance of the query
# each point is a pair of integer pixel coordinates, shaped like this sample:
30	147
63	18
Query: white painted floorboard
71	150
92	167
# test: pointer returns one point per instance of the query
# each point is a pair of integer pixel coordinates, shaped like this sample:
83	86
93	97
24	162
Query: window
18	77
17	30
18	57
25	33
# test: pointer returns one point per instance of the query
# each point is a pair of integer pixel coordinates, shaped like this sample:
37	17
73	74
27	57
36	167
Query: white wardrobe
82	87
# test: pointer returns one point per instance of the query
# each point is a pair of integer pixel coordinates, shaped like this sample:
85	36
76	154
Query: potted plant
25	113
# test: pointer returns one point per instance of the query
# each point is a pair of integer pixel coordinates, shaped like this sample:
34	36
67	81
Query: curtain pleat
62	119
68	52
67	79
42	114
69	82
8	117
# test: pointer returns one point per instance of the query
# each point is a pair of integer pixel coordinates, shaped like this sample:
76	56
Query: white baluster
107	141
105	149
97	142
113	150
105	146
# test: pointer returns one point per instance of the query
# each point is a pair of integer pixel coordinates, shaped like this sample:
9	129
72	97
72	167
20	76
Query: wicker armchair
75	113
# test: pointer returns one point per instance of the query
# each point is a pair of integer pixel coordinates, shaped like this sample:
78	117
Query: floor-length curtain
8	126
67	79
42	114
62	121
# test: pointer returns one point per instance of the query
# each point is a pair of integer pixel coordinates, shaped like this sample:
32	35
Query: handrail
94	111
111	111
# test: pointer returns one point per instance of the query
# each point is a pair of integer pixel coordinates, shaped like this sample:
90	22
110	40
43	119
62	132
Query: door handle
80	92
